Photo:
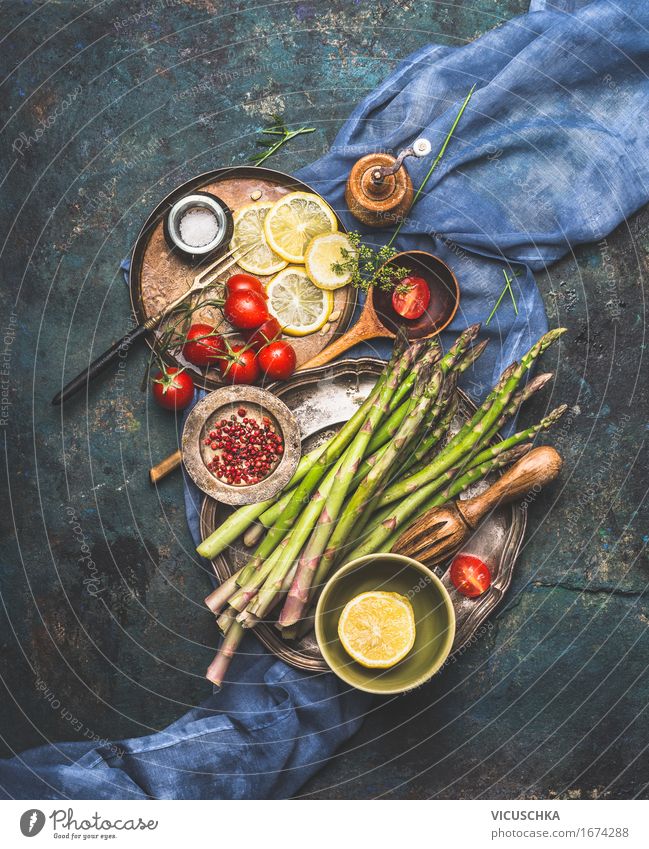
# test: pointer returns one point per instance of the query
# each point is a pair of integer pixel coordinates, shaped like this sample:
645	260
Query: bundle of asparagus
356	494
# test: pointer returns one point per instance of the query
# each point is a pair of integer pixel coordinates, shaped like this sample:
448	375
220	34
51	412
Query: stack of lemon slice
248	231
301	229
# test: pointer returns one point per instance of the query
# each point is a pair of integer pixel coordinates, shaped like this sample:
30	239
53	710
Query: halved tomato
411	297
470	575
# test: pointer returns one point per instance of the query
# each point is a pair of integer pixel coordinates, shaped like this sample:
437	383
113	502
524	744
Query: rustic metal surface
159	275
549	699
225	402
322	399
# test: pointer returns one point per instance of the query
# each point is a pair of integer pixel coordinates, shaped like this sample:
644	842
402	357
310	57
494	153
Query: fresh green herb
442	150
173	334
368	266
507	288
274	136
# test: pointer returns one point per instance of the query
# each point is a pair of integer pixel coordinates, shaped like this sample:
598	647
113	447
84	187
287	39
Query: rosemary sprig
173	334
506	288
278	134
367	266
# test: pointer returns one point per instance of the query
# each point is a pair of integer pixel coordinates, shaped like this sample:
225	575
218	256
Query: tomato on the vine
269	331
173	389
277	360
245	310
411	297
203	346
245	283
470	575
240	365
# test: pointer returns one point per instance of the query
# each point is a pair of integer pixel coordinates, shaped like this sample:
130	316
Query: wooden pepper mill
379	190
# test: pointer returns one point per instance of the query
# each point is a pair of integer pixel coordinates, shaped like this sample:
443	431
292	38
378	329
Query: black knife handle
102	362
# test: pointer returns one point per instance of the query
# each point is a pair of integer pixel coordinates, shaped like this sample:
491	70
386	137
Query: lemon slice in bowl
249	230
377	629
294	221
299	306
323	254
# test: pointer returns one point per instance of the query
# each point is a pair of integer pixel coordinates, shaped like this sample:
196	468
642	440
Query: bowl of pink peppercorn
241	444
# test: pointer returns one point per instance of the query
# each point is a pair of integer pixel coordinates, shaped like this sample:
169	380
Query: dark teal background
119	102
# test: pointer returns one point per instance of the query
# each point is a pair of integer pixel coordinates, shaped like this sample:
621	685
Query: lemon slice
377	629
249	230
299	306
294	220
324	252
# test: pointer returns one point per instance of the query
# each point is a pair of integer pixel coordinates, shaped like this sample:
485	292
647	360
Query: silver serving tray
322	399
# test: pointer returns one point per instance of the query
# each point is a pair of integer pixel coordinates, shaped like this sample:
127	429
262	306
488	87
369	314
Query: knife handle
101	363
528	475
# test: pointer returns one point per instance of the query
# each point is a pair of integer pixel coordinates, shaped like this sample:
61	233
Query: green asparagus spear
302	493
326	539
219	666
299	591
479	426
307	518
239	521
407	511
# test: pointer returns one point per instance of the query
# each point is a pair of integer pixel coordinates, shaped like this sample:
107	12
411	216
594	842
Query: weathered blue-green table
107	107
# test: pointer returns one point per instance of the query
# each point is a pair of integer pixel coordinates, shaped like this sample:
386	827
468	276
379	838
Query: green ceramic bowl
434	621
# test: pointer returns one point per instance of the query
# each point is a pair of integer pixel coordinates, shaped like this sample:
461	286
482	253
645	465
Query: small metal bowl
222	403
198	200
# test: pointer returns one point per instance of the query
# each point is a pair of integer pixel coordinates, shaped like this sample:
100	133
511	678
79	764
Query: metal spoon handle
205	278
120	348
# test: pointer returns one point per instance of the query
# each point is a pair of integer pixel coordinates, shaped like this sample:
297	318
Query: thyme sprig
368	266
274	136
436	161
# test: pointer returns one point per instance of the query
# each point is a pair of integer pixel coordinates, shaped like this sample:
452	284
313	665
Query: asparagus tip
556	414
539	381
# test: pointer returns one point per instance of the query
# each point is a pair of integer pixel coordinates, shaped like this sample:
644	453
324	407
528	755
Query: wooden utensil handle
529	474
164	467
363	330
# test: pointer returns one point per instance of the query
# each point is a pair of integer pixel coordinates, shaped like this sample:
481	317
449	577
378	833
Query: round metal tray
158	275
321	400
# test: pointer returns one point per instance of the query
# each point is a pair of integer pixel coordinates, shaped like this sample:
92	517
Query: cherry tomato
277	360
269	331
173	390
240	366
203	346
245	283
245	310
469	575
411	297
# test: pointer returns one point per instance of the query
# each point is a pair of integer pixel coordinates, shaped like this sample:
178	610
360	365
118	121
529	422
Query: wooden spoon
379	320
442	530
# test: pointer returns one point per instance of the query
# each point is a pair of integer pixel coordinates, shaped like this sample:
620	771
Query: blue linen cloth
551	153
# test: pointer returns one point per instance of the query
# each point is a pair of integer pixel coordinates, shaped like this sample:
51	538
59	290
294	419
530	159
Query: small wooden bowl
444	296
222	403
379	320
